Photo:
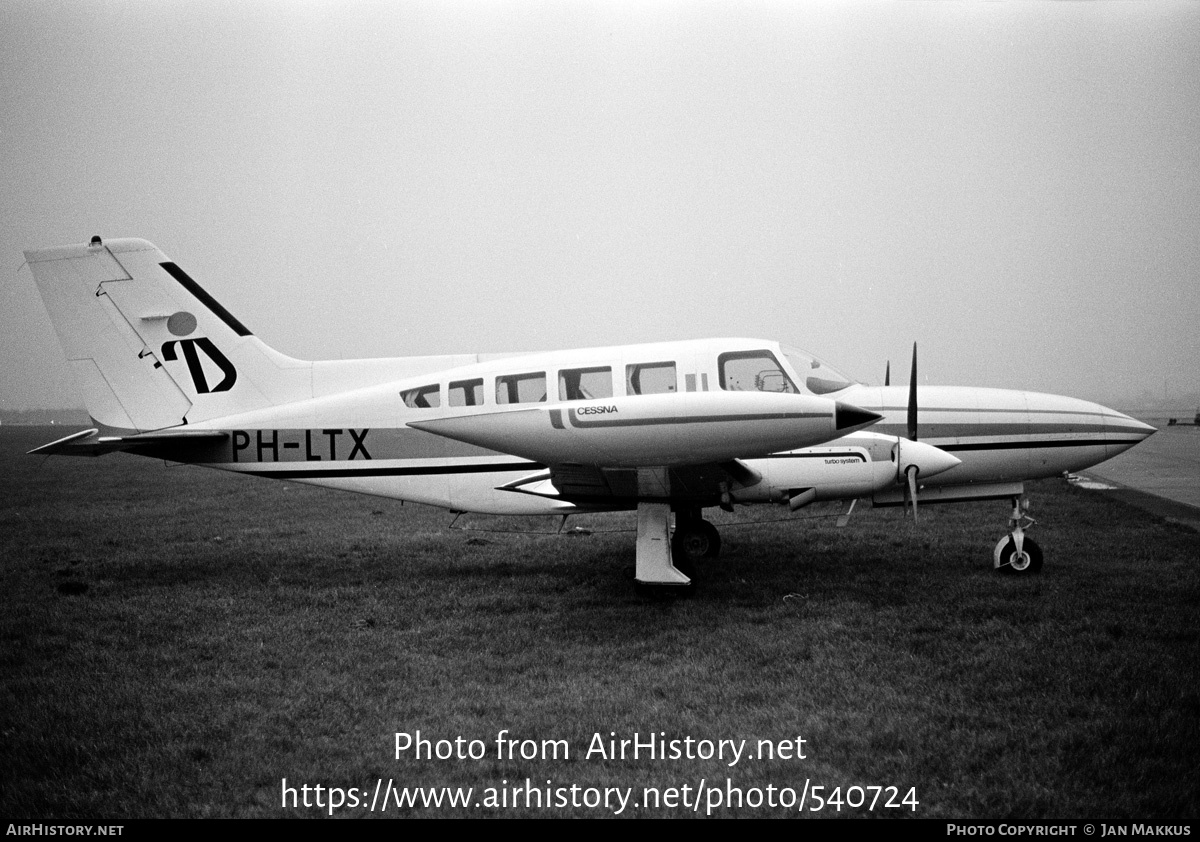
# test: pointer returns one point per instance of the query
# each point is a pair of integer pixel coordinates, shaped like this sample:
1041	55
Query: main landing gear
665	561
1016	554
695	539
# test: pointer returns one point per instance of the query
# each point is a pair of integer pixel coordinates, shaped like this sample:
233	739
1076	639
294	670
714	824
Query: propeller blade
887	374
912	398
911	473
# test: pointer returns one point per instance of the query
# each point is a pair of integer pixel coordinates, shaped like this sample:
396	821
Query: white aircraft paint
663	428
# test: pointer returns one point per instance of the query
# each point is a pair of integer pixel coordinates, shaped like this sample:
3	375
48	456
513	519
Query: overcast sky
1015	186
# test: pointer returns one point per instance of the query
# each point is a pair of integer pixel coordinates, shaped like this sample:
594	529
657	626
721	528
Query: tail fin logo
191	349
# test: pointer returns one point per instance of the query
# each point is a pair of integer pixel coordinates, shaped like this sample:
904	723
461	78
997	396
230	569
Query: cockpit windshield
817	377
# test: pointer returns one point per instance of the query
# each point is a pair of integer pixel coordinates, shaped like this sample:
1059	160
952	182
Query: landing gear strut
655	567
1016	554
667	561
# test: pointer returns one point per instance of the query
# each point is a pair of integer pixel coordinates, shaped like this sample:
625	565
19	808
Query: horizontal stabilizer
91	443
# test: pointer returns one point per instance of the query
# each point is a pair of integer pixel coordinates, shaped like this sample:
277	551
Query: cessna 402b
668	429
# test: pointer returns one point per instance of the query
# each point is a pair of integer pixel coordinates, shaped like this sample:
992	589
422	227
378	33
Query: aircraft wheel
1025	564
695	541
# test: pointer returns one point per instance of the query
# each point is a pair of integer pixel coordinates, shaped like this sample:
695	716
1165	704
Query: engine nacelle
858	465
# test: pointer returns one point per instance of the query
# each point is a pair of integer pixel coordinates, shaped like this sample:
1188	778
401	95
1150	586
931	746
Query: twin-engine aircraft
666	429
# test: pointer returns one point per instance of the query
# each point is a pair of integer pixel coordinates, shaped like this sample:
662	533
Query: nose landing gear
1016	554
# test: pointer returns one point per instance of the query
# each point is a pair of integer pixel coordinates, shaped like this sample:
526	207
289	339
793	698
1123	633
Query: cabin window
521	388
423	397
585	384
753	371
650	378
466	392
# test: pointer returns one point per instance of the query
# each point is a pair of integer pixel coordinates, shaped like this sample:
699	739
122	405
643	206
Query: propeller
917	456
910	473
910	491
912	398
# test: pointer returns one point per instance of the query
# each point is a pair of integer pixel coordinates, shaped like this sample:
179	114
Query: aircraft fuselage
373	440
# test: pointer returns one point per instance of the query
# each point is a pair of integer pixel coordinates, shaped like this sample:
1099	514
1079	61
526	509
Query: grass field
174	642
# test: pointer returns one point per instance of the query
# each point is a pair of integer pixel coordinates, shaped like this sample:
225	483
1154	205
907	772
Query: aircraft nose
1139	428
1122	432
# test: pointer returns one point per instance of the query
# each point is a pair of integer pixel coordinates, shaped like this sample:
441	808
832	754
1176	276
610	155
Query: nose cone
848	417
929	460
1122	432
1125	425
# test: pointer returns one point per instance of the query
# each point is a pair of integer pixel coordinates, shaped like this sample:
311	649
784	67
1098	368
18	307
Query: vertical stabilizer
148	347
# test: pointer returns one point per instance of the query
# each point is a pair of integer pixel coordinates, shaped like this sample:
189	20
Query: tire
695	541
1009	564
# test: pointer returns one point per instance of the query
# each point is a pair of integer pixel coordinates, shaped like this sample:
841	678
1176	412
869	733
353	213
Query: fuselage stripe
996	410
432	470
1023	445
